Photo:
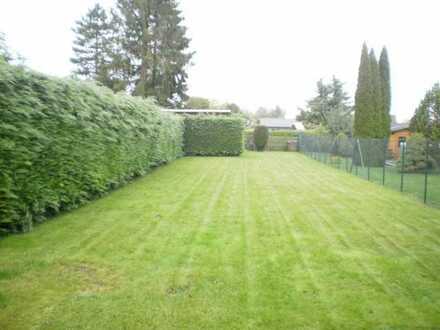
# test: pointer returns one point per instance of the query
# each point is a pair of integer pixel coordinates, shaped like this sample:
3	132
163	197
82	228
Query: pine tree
91	46
120	69
156	44
363	106
384	68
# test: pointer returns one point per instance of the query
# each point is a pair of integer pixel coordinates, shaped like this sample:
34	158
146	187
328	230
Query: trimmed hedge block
65	142
213	136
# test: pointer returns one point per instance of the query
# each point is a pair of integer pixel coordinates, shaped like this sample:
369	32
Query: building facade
399	135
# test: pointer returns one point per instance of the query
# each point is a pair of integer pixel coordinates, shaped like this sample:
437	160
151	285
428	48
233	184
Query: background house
399	135
281	124
199	111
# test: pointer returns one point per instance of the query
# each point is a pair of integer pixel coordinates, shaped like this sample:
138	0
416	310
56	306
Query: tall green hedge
214	135
65	142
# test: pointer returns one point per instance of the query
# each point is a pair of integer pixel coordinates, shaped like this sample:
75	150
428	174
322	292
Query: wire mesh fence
409	165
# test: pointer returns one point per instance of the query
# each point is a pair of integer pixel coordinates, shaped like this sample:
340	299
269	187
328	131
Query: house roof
281	123
399	127
225	111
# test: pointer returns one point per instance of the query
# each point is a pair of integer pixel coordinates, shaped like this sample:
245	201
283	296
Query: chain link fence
410	165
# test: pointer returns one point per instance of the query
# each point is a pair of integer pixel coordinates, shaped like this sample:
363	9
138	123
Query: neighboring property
399	135
199	111
281	123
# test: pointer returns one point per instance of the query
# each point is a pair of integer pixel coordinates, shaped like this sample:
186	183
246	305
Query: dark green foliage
92	46
261	136
214	135
329	109
141	47
372	119
363	107
415	156
426	119
377	118
384	68
63	143
155	40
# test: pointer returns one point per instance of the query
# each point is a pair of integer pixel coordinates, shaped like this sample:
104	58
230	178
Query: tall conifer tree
142	48
372	118
363	106
384	67
157	45
91	46
377	118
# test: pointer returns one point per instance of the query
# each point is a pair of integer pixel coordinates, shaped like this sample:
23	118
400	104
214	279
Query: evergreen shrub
261	137
65	142
214	136
416	159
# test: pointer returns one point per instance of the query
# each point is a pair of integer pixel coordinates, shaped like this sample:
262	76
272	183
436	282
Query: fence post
425	193
352	155
385	146
403	152
367	157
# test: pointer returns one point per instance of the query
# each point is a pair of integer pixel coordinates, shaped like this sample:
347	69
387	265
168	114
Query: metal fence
410	165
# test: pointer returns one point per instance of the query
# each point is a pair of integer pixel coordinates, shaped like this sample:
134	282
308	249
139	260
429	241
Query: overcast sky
262	53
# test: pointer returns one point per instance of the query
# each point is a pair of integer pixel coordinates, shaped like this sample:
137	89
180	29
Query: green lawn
413	183
266	240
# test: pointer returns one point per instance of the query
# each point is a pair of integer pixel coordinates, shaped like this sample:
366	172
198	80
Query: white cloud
256	52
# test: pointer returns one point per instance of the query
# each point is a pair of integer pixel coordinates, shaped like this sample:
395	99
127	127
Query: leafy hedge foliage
214	135
284	133
64	142
416	159
261	136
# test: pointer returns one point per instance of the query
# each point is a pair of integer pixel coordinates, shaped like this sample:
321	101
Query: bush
415	156
261	136
214	135
65	142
